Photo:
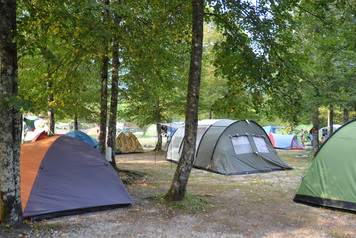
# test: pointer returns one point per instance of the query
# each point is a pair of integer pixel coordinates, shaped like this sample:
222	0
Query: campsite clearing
259	205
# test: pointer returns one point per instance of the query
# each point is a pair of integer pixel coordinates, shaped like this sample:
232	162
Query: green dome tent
331	178
229	147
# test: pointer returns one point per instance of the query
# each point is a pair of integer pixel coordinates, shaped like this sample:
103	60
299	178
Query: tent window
241	145
261	145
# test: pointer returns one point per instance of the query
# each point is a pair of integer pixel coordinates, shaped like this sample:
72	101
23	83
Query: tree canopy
261	59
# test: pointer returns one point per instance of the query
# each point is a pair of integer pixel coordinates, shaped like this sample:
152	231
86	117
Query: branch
229	26
316	16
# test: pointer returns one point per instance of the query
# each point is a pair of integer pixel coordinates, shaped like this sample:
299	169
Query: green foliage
267	59
256	59
57	55
154	85
326	35
212	88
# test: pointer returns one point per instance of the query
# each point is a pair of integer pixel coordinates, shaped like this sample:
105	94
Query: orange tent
31	158
63	175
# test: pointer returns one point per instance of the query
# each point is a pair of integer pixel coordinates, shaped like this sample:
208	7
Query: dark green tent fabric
230	147
331	178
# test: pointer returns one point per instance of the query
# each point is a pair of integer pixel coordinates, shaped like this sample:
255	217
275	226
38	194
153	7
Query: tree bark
185	164
10	124
104	89
315	130
331	120
346	115
50	112
158	128
75	122
113	104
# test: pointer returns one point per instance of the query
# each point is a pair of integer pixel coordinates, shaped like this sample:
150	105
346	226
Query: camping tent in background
305	127
40	125
84	137
65	176
151	130
40	136
31	135
324	132
229	147
272	129
172	128
282	132
297	130
285	142
127	142
331	179
94	131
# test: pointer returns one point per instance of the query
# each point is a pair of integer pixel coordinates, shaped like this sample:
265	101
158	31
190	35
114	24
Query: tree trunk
75	122
315	130
158	128
104	89
113	104
331	120
185	164
10	124
50	112
346	115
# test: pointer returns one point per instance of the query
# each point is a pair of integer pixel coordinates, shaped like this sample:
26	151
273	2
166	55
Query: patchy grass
191	203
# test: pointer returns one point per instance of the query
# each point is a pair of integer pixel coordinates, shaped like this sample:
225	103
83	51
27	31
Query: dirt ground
256	205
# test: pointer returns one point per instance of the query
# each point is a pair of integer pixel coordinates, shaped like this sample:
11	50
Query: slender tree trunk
75	122
158	128
185	164
104	89
50	111
331	119
10	124
346	115
315	130
113	104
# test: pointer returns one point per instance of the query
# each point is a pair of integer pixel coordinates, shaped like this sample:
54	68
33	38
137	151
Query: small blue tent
84	137
285	142
271	129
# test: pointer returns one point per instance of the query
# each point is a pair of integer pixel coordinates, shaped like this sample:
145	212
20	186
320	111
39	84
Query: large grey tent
64	176
229	147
